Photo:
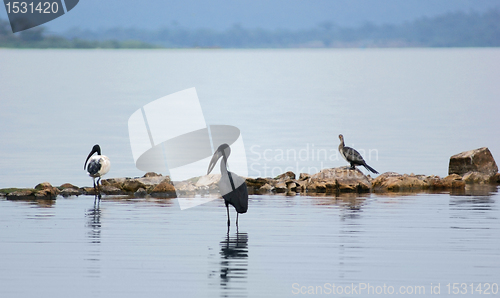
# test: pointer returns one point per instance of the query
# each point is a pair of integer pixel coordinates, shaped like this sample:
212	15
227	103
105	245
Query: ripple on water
150	247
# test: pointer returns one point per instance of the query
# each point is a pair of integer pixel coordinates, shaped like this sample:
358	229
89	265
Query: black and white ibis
98	166
353	157
232	187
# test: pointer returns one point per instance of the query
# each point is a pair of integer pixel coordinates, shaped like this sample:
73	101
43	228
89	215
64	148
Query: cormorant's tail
370	168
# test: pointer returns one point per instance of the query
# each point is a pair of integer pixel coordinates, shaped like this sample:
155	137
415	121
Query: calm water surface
411	108
149	247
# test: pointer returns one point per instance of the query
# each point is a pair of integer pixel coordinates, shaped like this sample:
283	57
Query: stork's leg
237	218
228	220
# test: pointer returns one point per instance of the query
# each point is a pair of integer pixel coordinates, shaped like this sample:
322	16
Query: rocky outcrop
327	181
21	194
452	182
467	169
255	185
163	189
342	179
68	189
495	179
391	181
284	183
475	166
150	183
43	191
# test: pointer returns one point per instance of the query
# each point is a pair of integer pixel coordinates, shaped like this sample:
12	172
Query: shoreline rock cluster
467	168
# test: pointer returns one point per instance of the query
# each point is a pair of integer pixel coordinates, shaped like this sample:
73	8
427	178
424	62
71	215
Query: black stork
232	187
353	157
98	166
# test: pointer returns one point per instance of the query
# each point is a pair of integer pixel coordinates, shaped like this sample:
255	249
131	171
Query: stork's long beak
213	161
90	154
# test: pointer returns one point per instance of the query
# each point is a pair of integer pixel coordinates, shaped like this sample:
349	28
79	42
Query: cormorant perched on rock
353	157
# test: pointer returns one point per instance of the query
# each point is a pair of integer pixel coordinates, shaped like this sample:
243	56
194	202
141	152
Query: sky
266	14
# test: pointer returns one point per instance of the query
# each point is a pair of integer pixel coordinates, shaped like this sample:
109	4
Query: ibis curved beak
95	149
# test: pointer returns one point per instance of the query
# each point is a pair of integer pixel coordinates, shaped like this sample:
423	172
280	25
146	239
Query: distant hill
36	38
450	30
265	14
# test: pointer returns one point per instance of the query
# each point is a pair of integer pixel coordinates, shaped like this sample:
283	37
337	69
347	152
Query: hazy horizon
277	14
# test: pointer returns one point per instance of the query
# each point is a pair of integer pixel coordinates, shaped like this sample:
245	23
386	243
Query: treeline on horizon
37	38
450	30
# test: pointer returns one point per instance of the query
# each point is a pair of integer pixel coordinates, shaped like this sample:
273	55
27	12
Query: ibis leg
95	192
99	188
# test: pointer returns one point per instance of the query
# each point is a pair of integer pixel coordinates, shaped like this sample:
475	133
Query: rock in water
342	179
45	190
396	182
479	161
165	188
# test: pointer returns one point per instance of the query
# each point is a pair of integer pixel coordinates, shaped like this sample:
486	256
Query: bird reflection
94	254
94	223
234	265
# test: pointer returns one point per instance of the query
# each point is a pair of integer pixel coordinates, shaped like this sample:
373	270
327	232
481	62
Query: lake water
284	245
411	108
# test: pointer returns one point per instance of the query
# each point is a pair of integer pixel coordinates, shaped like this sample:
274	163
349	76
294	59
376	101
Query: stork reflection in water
234	261
232	187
